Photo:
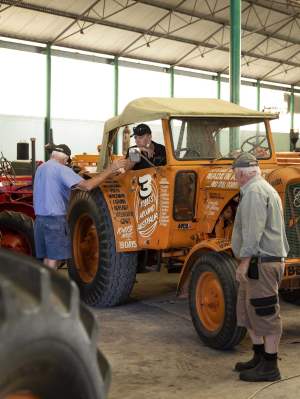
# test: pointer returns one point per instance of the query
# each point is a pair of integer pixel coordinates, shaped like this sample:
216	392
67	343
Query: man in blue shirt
52	188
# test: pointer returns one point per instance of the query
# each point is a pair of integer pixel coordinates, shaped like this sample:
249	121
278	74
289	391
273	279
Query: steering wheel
7	170
188	150
254	145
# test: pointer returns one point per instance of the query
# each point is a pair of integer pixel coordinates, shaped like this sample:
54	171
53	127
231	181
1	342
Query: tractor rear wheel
212	298
48	340
105	277
17	232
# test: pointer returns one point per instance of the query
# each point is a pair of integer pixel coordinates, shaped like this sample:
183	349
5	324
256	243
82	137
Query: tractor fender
21	207
211	245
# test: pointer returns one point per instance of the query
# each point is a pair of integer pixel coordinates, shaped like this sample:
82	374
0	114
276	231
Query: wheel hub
86	248
210	301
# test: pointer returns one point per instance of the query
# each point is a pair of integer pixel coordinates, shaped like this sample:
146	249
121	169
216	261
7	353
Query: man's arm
113	169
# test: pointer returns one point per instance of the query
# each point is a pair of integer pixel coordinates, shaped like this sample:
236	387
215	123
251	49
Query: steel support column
116	99
172	81
292	107
235	62
257	102
219	97
48	99
219	86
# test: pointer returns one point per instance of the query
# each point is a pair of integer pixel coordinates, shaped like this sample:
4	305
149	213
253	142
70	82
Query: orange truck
182	212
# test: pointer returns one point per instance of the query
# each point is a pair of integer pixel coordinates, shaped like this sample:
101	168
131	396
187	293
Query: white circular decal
146	206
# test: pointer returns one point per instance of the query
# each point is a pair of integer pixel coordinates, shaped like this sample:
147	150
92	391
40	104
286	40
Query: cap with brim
63	148
245	160
141	129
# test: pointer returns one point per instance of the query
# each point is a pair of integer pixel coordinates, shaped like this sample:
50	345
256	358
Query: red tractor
16	209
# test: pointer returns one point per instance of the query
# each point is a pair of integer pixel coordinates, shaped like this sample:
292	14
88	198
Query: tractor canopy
151	108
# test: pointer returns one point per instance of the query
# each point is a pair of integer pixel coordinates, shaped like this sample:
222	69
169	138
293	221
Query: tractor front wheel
105	277
212	298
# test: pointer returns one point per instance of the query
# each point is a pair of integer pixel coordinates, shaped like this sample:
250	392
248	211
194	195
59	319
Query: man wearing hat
259	243
152	153
51	192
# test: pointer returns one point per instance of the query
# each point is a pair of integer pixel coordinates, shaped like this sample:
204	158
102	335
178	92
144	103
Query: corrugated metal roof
185	33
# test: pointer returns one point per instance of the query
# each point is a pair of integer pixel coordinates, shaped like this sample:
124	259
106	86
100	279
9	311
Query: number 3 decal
146	186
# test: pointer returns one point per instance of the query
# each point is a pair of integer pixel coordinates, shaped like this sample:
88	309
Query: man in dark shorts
259	243
154	152
52	188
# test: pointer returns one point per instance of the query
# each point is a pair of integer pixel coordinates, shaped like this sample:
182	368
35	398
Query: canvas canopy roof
151	108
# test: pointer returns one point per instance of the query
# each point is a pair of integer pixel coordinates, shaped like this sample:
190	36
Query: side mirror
134	154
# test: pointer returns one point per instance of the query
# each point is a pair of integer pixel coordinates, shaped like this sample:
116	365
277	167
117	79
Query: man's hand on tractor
118	166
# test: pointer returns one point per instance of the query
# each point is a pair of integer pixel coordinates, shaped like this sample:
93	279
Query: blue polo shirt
52	188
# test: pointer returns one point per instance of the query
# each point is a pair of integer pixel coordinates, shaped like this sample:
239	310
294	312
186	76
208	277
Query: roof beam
75	21
161	5
267	6
64	14
222	21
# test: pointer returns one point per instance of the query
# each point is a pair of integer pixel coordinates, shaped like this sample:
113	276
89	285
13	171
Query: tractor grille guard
292	219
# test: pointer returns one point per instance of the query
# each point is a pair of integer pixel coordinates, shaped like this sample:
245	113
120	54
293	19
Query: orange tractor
182	212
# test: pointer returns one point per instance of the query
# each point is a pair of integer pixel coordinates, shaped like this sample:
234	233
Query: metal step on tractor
181	214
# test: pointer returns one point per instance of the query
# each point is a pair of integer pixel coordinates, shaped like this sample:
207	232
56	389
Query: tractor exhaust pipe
33	158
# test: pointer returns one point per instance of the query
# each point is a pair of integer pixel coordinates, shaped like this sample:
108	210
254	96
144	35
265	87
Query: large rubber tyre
48	345
212	299
290	296
105	277
17	232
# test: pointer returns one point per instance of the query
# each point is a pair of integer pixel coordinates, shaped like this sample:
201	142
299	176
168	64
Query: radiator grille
292	219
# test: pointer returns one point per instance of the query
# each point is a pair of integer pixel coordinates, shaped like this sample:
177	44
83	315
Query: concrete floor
155	352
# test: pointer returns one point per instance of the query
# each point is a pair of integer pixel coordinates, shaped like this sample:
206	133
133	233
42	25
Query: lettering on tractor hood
224	178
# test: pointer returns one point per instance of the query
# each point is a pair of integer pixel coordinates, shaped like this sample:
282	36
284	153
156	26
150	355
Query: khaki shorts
258	304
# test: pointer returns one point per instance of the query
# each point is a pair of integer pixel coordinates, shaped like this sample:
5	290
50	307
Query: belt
266	259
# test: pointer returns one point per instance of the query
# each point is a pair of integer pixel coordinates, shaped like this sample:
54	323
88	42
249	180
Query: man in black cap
259	243
52	188
153	154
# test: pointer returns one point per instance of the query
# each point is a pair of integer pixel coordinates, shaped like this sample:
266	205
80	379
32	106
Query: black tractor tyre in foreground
48	346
